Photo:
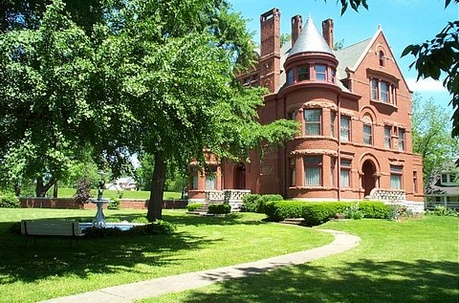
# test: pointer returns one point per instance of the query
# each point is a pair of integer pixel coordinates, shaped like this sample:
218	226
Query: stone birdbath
99	220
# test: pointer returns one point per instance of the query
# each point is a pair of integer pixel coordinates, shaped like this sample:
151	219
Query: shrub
267	198
193	206
353	212
83	191
280	210
218	209
440	210
8	200
250	202
320	212
375	210
158	227
115	204
140	220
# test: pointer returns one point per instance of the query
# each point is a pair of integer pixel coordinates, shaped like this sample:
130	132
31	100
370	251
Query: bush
280	210
115	204
267	198
218	209
375	210
440	210
83	191
321	212
193	206
250	203
8	200
353	212
158	227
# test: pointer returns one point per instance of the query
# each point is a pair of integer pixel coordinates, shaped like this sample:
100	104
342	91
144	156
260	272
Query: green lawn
127	194
52	268
411	261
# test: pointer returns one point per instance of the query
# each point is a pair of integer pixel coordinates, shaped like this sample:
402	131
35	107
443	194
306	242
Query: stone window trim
383	87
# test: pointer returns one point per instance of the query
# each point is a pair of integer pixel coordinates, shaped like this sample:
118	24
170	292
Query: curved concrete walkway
151	288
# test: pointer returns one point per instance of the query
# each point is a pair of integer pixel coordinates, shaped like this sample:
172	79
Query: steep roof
310	40
350	56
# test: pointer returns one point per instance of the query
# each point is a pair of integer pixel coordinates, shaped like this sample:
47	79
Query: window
367	136
345	131
374	89
387	134
246	81
321	72
381	58
448	179
210	178
415	182
396	176
384	92
290	77
332	123
194	179
401	139
303	73
345	173
312	119
313	170
292	115
333	75
444	178
292	172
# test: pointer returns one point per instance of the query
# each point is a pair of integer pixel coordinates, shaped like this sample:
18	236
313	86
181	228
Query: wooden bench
59	228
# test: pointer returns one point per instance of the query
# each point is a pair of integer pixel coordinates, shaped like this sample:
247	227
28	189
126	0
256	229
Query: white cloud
425	85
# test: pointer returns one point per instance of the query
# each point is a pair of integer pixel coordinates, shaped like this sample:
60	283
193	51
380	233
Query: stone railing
231	196
396	197
388	195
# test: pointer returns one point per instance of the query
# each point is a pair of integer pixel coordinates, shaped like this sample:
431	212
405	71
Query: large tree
175	81
43	98
432	136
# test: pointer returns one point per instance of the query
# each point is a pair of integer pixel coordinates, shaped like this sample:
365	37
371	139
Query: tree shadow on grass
53	256
360	281
196	220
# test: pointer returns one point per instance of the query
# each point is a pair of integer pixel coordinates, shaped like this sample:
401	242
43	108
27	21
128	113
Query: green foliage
219	209
280	210
321	212
114	205
440	210
374	209
353	212
264	199
193	206
432	136
250	202
8	200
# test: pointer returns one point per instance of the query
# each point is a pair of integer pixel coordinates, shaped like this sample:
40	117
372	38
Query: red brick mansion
354	108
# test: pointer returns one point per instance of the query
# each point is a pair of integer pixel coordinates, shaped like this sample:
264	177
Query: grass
410	261
52	268
127	194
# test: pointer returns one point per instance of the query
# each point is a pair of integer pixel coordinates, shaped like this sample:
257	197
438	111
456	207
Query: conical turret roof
310	40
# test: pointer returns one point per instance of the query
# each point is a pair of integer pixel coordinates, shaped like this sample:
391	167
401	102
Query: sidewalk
151	288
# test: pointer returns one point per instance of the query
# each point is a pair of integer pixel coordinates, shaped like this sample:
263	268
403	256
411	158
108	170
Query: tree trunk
155	205
55	190
41	189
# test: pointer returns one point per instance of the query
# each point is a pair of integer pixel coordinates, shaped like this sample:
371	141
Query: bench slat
50	228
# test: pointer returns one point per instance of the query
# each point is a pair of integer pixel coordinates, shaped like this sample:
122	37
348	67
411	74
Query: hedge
219	209
316	213
193	206
250	202
267	198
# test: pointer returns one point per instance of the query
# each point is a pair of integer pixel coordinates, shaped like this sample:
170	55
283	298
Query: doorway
239	176
369	176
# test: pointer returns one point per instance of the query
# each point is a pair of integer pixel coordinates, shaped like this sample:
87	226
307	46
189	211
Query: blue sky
403	22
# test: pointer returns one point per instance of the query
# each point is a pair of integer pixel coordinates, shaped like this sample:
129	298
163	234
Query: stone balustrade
396	197
231	196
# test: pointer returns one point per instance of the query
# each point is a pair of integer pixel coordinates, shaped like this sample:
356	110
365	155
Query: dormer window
448	179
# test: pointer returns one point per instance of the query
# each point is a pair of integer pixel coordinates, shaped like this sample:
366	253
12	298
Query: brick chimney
297	25
269	67
327	32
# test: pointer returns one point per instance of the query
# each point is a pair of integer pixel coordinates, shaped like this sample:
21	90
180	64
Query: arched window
367	130
381	58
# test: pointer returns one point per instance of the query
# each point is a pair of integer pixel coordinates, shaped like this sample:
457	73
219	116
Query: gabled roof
351	56
310	40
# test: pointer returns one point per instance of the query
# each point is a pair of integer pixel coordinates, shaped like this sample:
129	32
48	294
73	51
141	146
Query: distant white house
442	188
124	183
